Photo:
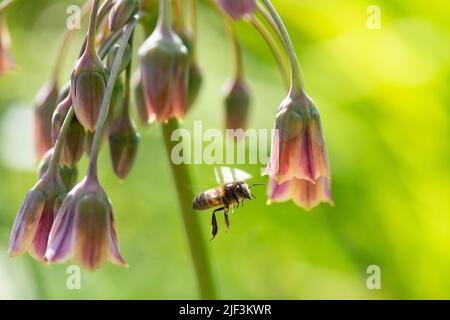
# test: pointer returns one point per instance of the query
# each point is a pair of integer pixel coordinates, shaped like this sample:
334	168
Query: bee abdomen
205	201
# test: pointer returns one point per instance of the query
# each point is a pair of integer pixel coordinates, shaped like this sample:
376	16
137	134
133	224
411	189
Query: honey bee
225	196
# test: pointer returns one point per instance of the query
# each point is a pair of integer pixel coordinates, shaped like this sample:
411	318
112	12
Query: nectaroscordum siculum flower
84	227
89	79
298	166
34	220
164	70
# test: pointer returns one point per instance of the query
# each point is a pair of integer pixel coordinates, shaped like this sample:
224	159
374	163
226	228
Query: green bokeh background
384	99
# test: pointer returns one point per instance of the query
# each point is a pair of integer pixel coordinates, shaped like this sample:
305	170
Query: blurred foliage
384	99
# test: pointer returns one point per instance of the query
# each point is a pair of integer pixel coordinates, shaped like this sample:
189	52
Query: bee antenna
256	184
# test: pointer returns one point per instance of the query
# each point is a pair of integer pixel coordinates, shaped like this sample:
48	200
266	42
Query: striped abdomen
207	200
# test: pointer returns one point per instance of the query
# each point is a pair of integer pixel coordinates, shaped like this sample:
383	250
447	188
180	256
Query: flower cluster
61	219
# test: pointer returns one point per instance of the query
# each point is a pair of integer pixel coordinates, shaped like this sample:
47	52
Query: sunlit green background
384	99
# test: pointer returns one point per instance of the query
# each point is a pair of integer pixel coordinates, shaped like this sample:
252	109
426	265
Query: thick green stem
274	48
92	170
297	81
197	247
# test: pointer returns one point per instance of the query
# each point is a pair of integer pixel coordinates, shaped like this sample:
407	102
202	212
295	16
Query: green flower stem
297	81
54	161
237	49
92	30
179	16
256	23
67	38
197	247
128	31
165	16
193	27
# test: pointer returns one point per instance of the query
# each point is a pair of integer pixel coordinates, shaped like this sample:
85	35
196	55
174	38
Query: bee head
243	191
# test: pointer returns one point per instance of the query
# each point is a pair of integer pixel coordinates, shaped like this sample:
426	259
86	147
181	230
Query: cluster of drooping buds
59	218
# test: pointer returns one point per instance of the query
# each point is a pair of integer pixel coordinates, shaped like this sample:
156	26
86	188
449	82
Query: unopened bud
141	108
121	12
45	104
88	88
123	145
73	147
237	102
125	60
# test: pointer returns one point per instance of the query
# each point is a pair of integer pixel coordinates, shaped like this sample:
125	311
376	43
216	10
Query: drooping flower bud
237	102
73	147
123	145
141	108
6	58
125	60
84	228
45	104
238	9
298	153
88	88
121	12
33	222
68	175
164	70
88	81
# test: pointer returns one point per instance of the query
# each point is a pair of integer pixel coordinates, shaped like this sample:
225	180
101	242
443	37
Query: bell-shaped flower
35	218
84	228
304	193
298	147
164	70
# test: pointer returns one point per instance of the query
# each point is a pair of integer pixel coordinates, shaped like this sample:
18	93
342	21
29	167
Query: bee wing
227	175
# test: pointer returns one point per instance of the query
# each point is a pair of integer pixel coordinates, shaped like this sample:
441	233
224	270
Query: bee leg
215	228
236	199
253	196
227	220
242	203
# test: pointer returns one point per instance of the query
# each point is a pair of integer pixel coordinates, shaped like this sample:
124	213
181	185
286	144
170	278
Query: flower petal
26	222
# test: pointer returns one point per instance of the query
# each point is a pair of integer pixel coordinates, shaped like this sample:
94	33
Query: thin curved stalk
297	81
237	49
128	31
273	47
